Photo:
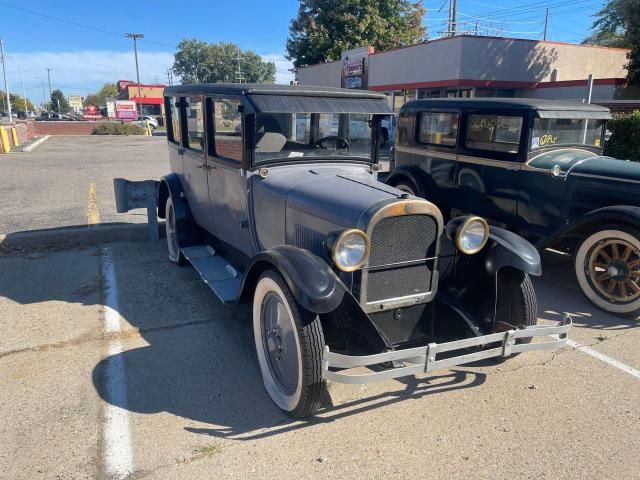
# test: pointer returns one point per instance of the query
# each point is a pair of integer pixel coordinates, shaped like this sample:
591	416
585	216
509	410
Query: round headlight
472	235
350	250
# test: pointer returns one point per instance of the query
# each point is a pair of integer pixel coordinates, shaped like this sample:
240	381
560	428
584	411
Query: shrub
118	129
625	138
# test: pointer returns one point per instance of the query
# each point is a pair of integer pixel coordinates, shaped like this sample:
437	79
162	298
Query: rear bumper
424	359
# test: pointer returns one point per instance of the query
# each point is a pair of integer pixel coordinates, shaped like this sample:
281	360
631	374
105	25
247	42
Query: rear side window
227	128
438	128
195	123
173	119
497	133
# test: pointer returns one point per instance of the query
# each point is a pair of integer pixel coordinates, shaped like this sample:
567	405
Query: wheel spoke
602	266
634	264
623	289
633	285
604	255
601	277
611	286
634	274
627	253
615	251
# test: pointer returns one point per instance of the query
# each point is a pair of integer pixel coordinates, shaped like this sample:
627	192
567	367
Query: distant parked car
153	123
535	167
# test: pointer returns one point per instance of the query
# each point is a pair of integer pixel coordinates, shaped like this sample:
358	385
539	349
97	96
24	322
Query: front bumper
424	359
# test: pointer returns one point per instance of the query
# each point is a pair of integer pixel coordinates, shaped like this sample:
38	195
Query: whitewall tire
607	266
289	345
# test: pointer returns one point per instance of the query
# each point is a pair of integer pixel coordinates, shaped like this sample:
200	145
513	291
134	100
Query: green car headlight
350	250
472	235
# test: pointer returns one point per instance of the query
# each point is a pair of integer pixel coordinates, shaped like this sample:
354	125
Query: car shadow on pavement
558	293
189	356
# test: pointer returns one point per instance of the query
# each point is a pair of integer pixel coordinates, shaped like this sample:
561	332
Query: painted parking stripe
604	358
93	216
117	451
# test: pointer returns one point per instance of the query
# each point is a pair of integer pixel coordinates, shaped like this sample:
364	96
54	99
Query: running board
217	273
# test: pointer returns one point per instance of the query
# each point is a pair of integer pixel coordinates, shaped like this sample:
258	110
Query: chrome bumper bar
424	359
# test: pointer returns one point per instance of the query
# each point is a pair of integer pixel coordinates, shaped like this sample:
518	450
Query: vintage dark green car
536	168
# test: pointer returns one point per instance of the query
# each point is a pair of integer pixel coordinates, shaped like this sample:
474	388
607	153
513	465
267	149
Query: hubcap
279	343
614	268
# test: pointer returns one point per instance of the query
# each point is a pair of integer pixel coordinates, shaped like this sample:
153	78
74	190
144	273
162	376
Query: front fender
615	214
170	186
314	285
507	249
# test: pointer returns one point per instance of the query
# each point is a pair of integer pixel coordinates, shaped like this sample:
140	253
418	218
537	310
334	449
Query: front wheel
517	304
607	266
289	344
173	243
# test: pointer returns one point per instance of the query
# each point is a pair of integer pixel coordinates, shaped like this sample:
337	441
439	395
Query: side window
437	128
173	119
195	123
227	129
494	132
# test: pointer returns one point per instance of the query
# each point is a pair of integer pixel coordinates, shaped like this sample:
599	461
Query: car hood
335	197
608	167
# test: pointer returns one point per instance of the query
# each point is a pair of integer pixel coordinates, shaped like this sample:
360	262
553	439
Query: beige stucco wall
323	74
600	92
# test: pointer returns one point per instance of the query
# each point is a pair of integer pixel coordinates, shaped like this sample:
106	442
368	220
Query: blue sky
82	59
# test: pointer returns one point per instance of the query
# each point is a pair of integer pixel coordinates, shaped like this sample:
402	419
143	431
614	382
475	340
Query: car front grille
401	261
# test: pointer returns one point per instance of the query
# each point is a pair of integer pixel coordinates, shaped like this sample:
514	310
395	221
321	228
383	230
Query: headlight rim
460	231
338	240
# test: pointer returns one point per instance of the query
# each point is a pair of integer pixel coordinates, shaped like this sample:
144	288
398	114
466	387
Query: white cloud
85	71
283	75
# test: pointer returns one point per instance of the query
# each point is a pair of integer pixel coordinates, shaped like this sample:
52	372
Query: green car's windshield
318	135
550	132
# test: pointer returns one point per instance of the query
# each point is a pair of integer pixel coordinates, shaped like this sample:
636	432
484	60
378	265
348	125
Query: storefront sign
126	110
354	68
75	101
353	82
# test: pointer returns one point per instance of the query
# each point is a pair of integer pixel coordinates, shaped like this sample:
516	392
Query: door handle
206	166
180	151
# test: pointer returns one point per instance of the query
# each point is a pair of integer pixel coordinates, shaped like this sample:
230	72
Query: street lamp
135	36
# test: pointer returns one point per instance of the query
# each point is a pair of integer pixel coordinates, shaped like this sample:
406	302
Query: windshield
317	135
550	132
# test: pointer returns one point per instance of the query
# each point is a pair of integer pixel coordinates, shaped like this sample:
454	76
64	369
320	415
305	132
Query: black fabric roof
309	104
543	108
269	89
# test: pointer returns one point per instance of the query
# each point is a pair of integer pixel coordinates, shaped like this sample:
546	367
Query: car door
489	162
227	180
194	161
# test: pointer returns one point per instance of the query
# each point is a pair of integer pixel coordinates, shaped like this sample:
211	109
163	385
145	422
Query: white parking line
117	435
604	358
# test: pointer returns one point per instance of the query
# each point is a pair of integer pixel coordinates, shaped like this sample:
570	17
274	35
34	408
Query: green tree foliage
625	138
99	99
324	28
17	103
201	62
618	24
59	102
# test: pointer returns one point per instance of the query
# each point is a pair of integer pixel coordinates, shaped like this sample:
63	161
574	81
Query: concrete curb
70	237
35	144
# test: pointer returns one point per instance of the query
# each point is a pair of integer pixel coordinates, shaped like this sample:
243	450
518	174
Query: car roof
271	89
539	105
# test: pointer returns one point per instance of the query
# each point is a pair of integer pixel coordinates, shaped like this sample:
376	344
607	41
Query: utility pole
546	22
239	74
24	92
135	37
6	86
453	16
49	78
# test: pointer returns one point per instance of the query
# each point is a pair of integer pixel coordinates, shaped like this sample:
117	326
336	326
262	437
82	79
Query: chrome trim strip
459	158
412	206
602	177
423	151
423	359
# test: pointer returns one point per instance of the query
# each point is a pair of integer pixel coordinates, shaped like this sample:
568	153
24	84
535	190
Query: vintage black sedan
536	168
273	198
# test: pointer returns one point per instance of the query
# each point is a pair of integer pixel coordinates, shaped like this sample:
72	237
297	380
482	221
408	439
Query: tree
59	102
201	62
618	24
17	103
325	28
99	99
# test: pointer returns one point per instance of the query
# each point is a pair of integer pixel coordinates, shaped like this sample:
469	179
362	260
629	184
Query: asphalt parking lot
115	363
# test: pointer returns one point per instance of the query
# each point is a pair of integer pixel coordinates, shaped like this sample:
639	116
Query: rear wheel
173	242
406	187
289	344
607	266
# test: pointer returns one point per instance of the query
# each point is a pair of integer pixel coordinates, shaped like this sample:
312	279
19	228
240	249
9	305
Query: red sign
91	110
